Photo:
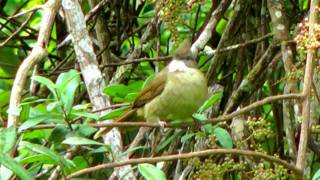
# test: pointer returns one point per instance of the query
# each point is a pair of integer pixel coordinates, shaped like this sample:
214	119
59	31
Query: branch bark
206	34
208	152
39	51
281	31
307	86
91	73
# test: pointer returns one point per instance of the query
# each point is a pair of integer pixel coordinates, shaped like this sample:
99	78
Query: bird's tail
125	117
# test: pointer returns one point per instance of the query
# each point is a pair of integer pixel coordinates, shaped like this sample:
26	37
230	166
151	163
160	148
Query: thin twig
165	58
206	34
25	12
236	46
88	17
17	31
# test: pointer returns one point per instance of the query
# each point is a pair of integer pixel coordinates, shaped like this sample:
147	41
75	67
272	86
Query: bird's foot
162	126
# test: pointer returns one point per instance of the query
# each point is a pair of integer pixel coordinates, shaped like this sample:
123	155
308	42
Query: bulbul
174	94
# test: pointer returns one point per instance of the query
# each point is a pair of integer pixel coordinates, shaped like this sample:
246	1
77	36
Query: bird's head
183	53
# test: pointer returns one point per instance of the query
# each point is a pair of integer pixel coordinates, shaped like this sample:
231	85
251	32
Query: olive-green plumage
175	93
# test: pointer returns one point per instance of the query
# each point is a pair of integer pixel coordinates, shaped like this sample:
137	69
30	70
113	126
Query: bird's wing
152	90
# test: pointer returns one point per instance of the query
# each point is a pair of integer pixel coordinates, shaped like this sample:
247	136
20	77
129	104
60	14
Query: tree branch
203	153
307	86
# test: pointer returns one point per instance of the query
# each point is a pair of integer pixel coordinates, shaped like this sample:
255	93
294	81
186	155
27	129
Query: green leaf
135	86
24	114
81	141
44	151
316	175
81	106
102	149
15	167
67	84
113	114
223	137
67	165
86	130
15	111
8	138
167	141
37	119
211	101
221	26
186	137
36	135
130	97
147	11
199	117
51	106
47	82
116	90
150	172
9	59
4	96
55	157
37	158
208	128
80	162
303	4
85	114
58	134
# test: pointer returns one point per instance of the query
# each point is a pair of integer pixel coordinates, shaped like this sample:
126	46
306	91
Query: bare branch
203	153
307	86
39	51
25	12
209	28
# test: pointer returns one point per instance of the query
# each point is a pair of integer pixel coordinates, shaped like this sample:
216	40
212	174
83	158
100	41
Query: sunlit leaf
44	151
211	101
48	83
67	84
15	167
113	114
80	141
35	120
221	26
316	175
167	141
187	137
89	115
58	134
8	138
86	130
150	172
116	90
223	137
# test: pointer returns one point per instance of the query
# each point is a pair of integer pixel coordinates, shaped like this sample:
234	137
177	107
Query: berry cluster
306	41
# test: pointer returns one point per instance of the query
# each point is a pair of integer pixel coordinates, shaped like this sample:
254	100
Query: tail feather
126	117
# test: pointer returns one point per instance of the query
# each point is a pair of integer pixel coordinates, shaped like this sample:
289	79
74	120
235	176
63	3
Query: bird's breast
184	92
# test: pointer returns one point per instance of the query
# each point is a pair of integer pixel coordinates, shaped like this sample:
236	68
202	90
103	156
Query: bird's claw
162	126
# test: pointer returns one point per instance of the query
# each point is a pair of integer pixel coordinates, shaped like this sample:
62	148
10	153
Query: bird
175	93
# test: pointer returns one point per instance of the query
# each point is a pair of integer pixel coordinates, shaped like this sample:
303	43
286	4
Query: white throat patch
177	66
